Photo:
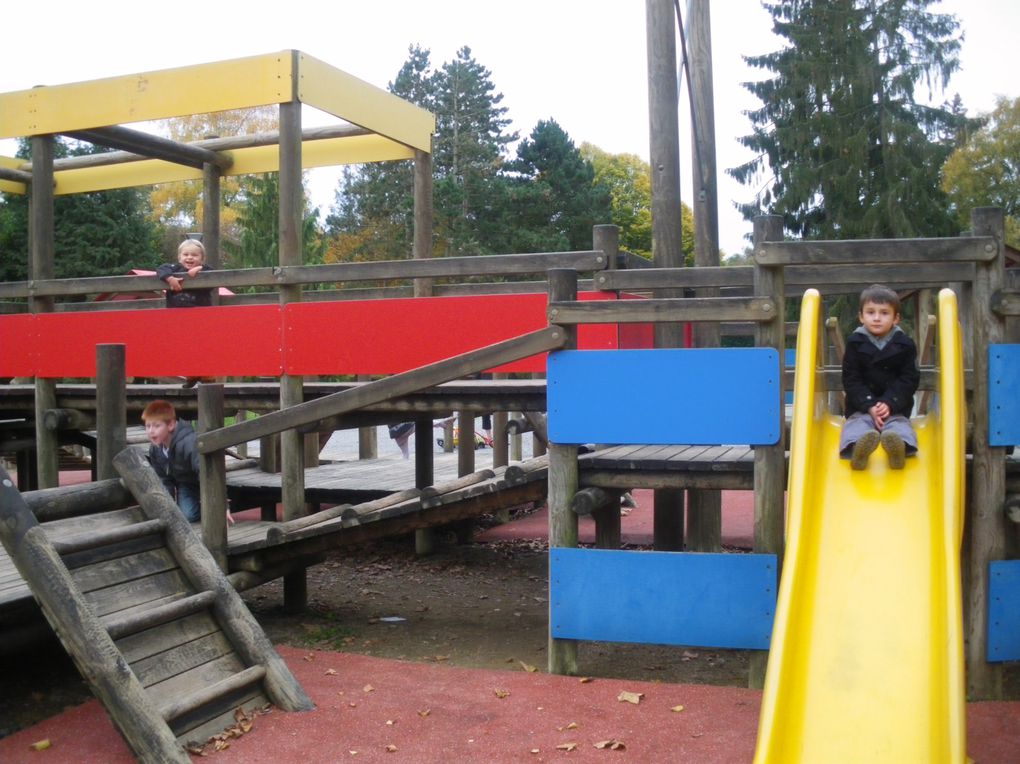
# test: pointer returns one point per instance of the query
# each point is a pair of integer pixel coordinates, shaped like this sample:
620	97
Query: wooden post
211	219
422	245
500	444
704	506
465	443
563	481
769	461
111	408
40	237
269	461
424	476
667	245
986	516
292	465
368	437
213	476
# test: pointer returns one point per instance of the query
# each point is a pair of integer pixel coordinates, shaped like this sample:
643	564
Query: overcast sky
579	62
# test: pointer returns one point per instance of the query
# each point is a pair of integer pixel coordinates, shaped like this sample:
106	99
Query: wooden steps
151	622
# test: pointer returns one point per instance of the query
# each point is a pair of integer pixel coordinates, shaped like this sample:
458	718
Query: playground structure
758	294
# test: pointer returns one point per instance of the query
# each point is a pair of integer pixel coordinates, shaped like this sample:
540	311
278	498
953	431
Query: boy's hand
879	413
174	282
194	271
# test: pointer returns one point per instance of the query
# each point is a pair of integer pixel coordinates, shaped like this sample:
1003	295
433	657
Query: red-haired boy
174	456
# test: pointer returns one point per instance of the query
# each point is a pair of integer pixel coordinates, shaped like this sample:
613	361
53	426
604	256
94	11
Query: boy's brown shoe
862	450
897	450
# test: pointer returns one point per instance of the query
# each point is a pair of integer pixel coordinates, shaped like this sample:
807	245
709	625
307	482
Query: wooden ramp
153	625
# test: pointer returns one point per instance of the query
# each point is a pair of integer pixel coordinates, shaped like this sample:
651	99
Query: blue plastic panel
1004	610
664	598
705	396
1004	395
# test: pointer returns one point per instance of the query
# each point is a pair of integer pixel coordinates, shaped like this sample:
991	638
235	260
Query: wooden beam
292	275
408	382
927	251
826	278
670	309
153	146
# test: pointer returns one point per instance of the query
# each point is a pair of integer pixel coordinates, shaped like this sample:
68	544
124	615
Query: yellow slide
866	663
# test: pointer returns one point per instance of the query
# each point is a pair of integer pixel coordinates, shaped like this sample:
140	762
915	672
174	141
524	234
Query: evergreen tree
850	151
258	225
469	151
554	199
100	233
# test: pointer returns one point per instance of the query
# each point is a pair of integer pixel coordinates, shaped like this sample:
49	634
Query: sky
579	62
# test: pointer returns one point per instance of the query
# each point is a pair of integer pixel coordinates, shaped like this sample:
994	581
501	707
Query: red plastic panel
17	347
391	336
239	340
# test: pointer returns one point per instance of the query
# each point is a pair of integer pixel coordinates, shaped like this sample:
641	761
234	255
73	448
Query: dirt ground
476	605
480	605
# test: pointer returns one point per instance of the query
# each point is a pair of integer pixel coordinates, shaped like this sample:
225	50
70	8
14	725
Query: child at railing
880	377
173	453
190	263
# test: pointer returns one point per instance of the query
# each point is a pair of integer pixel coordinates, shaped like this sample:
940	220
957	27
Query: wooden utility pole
704	507
667	250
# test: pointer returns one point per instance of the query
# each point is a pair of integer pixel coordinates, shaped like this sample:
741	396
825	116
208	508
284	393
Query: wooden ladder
151	621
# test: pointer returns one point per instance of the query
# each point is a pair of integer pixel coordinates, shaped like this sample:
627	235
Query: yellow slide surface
866	663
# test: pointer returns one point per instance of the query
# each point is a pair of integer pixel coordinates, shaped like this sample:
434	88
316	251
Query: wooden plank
182	658
89	578
199	727
828	279
664	310
151	642
124	595
960	249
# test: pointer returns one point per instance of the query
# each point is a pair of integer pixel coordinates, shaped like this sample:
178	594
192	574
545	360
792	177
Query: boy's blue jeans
189	500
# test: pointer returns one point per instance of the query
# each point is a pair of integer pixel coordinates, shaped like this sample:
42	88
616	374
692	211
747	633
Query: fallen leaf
585	679
391	748
500	693
630	697
309	657
41	745
612	745
368	688
567	747
424	712
390	722
528	667
536	750
330	672
677	709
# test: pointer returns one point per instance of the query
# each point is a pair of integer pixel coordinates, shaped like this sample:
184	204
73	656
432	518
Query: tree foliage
841	146
257	240
546	198
985	171
554	198
178	206
101	233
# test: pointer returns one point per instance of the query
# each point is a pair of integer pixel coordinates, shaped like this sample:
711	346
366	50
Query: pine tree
258	226
554	200
850	152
